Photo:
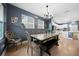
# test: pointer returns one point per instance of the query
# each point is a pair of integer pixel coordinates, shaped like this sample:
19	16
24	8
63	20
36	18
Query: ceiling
62	12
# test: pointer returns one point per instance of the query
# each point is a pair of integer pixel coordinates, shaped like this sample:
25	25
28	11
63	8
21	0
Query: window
28	22
73	27
1	30
40	24
1	22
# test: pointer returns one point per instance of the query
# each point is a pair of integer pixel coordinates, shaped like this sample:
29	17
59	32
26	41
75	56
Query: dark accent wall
18	28
78	25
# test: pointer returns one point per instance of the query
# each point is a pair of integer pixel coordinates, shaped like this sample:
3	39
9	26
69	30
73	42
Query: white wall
59	26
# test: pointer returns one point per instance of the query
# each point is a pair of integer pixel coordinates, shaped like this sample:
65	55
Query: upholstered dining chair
11	40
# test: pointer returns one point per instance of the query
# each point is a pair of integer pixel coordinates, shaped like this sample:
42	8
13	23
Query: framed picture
14	19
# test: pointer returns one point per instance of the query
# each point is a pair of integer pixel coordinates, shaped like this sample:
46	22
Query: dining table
45	41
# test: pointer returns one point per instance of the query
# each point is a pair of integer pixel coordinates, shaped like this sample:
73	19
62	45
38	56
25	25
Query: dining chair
29	46
11	40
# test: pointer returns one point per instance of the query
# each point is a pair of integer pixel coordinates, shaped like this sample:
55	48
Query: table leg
57	44
48	53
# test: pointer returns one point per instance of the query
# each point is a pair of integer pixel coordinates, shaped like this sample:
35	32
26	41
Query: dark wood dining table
45	40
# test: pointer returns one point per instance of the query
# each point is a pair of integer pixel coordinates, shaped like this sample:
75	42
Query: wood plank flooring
67	47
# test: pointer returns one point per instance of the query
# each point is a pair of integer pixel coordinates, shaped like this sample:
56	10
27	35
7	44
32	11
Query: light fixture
47	15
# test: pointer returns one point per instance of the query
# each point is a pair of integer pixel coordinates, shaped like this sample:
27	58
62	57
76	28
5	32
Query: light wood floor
67	47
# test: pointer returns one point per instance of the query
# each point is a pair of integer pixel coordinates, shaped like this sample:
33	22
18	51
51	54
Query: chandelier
47	15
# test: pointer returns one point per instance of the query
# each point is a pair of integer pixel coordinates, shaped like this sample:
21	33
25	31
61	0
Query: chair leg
28	49
21	43
31	50
16	45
